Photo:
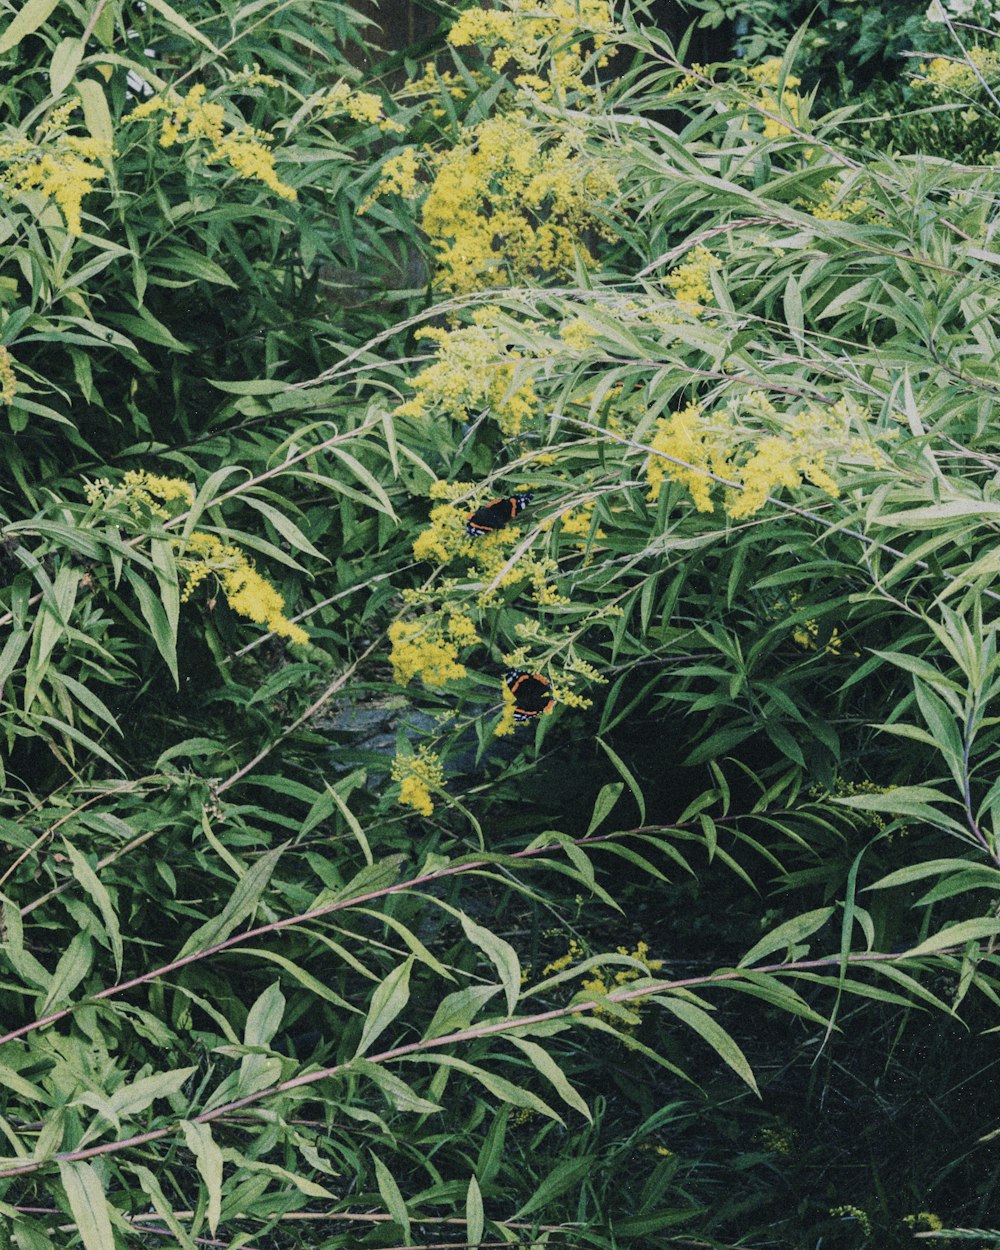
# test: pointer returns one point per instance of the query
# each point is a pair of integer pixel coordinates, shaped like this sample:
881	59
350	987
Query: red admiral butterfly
532	694
495	515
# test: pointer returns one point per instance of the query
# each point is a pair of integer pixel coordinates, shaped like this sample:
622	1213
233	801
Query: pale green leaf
391	1196
712	1033
787	934
387	1002
28	19
95	888
208	1157
264	1017
170	14
548	1067
957	935
475	1218
64	64
88	1204
242	904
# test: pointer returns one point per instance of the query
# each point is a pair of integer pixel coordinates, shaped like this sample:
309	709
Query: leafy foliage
314	930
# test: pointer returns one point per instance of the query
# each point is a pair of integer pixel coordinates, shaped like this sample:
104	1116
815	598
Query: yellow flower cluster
398	176
508	204
833	208
691	282
428	647
505	725
58	165
248	593
585	669
251	76
440	489
578	521
599	985
779	1141
360	106
475	369
431	83
806	636
142	494
681	437
692	81
417	774
578	335
548	42
193	119
690	448
767	77
570	698
445	538
8	381
573	952
854	1213
924	1219
945	76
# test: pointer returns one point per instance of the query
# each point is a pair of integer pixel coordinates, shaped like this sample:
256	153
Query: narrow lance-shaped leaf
88	1204
548	1067
242	903
475	1219
387	1002
787	934
714	1034
957	935
30	17
95	888
208	1156
264	1017
391	1196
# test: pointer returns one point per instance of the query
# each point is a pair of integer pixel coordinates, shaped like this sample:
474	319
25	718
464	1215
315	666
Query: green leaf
208	1157
151	1186
475	1215
957	935
30	17
457	1010
88	1204
96	113
787	934
285	527
242	904
399	1094
170	14
64	64
94	887
564	1176
496	1085
304	978
501	954
411	940
714	1034
627	777
387	1002
73	966
548	1067
607	797
130	1099
391	1196
157	619
264	1017
917	872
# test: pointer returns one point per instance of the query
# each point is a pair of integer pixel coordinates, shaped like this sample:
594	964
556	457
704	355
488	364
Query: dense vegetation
321	927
